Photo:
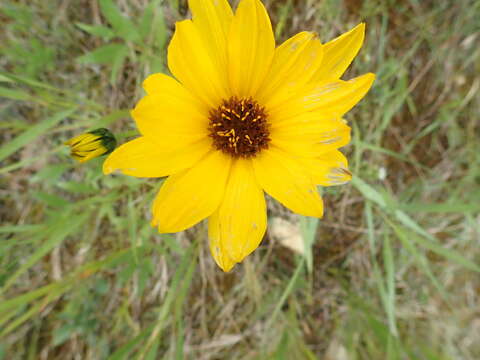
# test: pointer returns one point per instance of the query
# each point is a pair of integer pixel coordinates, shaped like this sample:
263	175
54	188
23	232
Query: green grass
391	272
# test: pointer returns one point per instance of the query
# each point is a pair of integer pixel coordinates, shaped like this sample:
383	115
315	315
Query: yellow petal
84	156
191	63
81	139
241	220
339	97
294	63
331	100
169	120
176	93
286	179
87	145
339	53
328	169
306	124
212	18
142	158
192	195
310	137
251	48
216	246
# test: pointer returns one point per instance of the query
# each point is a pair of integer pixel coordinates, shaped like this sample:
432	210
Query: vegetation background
391	272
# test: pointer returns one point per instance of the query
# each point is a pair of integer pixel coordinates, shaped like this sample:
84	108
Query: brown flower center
239	127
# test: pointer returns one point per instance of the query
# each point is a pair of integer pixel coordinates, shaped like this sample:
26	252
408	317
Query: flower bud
92	144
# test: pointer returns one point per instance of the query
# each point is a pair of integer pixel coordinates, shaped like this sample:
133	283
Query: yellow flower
242	117
92	144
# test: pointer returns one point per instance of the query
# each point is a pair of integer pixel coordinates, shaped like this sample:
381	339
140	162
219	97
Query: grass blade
33	133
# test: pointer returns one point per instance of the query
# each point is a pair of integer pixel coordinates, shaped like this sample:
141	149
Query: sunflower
240	118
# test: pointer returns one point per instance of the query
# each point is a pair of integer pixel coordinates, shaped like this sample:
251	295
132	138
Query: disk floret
239	127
